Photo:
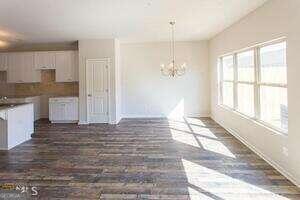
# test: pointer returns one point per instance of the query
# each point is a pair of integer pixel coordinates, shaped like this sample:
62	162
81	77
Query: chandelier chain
172	69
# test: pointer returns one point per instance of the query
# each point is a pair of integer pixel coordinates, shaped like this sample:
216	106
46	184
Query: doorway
97	79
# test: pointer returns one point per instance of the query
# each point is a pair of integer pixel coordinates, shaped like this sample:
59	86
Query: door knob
89	95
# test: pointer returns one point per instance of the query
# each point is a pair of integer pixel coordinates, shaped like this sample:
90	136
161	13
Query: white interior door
97	91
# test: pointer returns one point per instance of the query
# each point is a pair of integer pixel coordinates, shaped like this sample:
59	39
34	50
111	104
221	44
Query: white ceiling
33	21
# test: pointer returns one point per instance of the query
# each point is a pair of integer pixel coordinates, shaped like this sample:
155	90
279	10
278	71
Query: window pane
273	63
228	94
245	63
274	109
228	68
246	99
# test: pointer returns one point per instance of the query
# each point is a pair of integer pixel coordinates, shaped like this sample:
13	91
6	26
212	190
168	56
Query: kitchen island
37	102
16	124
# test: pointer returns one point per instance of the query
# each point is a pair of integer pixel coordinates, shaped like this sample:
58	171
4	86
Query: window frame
257	83
227	81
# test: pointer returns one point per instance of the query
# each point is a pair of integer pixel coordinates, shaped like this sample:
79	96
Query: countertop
11	106
64	96
21	96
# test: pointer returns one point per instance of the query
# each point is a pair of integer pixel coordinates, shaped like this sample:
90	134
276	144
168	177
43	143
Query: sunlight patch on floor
194	121
179	119
203	131
179	126
221	186
198	137
189	128
184	137
215	146
196	195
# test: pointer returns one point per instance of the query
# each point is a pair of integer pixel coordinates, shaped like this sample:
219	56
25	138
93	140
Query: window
228	78
254	82
245	82
273	88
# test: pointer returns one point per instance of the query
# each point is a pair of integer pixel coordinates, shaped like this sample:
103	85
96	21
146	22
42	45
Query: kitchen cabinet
35	100
25	67
66	63
44	60
21	68
63	110
16	125
3	61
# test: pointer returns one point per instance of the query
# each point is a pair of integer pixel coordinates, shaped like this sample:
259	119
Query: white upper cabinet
25	67
31	75
21	68
14	72
66	63
3	61
44	60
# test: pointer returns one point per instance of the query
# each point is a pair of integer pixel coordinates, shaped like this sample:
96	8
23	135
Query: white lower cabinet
16	125
63	110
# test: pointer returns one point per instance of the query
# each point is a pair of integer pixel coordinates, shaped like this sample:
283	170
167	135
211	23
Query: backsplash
47	86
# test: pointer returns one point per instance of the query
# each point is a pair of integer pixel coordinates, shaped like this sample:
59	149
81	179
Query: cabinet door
30	74
20	124
29	121
14	72
44	60
21	68
17	126
71	111
57	111
66	66
3	61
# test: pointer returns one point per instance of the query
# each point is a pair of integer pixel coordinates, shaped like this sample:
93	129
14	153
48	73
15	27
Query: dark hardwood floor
140	159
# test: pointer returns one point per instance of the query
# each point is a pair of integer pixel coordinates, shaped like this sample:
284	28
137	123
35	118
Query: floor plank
141	159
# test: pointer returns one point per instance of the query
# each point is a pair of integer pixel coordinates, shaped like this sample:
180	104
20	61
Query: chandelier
173	69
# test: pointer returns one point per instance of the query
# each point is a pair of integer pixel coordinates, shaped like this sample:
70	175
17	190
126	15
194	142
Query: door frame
107	60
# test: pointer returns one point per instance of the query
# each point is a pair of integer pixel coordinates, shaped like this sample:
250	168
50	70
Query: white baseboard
142	116
200	115
259	153
65	122
83	123
161	116
114	122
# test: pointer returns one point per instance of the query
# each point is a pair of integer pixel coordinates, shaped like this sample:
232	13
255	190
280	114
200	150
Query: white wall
275	19
118	76
96	49
146	93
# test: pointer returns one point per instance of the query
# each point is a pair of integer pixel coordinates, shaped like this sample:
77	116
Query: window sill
263	124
